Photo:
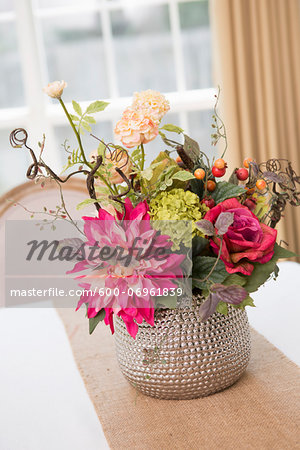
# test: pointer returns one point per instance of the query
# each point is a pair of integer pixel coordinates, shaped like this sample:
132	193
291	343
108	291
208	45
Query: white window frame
39	110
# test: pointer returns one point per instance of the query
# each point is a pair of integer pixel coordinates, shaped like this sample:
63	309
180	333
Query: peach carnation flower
153	102
122	163
135	128
55	89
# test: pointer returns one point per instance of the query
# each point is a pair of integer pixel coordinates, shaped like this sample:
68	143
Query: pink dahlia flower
126	285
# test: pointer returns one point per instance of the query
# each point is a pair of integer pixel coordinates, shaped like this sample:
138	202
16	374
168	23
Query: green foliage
236	279
90	119
281	252
222	308
73	159
163	175
96	106
93	322
87	202
183	175
262	272
248	301
197	186
225	190
74	118
77	108
172	128
83	118
137	157
202	265
86	126
199	244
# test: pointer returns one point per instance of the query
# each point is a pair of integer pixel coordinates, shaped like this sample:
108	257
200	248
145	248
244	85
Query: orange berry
220	163
211	185
246	162
261	184
199	174
178	159
250	191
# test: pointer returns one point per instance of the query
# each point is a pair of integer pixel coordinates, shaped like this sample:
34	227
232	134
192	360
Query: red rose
247	240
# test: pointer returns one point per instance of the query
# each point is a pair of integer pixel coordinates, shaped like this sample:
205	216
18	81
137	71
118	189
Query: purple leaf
272	176
223	222
254	168
206	227
232	294
208	307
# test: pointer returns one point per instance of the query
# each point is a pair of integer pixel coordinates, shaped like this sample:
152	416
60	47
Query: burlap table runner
261	411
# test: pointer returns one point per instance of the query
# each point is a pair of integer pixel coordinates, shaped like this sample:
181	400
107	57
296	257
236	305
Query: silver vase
182	357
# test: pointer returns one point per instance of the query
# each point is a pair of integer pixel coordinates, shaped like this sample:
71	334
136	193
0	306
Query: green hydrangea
174	210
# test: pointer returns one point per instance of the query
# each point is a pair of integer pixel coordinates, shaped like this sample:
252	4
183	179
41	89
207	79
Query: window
104	49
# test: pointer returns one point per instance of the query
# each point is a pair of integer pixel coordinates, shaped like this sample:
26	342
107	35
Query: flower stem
76	133
143	157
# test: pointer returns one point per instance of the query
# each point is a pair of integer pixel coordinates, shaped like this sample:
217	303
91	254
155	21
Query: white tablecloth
43	401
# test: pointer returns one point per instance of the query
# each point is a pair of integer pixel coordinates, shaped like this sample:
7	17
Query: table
43	401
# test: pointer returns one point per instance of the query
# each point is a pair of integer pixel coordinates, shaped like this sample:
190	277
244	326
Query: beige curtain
257	65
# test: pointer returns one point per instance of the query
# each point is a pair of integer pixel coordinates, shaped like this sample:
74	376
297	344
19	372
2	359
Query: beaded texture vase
182	357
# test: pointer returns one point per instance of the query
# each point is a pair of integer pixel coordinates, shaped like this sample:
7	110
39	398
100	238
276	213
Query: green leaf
88	201
199	243
236	279
89	119
202	266
86	126
197	186
93	322
172	128
222	308
183	175
74	118
96	107
248	301
262	272
147	174
225	190
282	252
77	108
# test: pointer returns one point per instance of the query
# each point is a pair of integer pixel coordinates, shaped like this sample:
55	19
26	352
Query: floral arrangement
232	239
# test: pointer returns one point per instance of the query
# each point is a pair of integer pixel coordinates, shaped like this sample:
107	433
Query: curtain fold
257	65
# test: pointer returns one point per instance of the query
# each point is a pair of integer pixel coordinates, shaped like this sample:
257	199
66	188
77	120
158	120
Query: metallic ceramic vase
182	357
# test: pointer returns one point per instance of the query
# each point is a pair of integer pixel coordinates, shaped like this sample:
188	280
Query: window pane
200	129
55	3
6	5
74	51
11	87
143	49
14	163
196	41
